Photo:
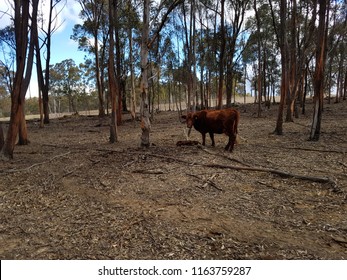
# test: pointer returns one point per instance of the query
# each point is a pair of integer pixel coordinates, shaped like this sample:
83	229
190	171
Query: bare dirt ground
72	195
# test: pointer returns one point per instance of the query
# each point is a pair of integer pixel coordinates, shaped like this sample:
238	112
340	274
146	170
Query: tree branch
163	21
35	164
256	169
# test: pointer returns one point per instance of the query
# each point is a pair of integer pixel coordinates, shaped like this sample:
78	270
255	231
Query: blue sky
65	48
62	46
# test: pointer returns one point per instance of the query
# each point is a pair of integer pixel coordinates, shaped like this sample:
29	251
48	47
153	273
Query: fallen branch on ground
207	182
240	168
303	149
221	155
256	169
34	165
151	171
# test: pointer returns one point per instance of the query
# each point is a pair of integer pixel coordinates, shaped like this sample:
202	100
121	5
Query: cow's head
190	119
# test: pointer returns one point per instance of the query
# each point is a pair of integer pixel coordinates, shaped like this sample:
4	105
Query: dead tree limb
256	169
244	168
207	182
305	149
222	155
34	165
150	171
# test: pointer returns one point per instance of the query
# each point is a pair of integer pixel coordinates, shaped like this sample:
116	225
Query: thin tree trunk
283	44
345	87
45	88
132	77
144	110
2	139
292	82
98	77
113	86
318	78
121	93
259	44
221	58
40	78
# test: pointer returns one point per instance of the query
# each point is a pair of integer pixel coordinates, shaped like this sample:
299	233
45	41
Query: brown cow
215	121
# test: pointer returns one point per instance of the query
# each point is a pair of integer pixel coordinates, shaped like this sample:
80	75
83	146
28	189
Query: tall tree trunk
221	57
259	47
45	88
113	85
23	132
21	82
132	77
2	139
283	44
318	77
144	110
292	82
98	76
189	47
345	87
40	78
121	93
339	83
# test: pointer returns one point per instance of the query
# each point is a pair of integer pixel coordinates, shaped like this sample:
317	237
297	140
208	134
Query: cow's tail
235	127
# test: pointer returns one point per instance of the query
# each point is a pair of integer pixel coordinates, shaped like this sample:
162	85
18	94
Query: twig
213	184
207	182
152	171
35	164
221	155
304	149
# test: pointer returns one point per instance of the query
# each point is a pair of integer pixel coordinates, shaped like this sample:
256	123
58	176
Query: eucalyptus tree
65	80
221	62
3	94
2	140
8	49
43	34
132	27
295	25
318	77
170	62
336	50
95	16
188	12
147	42
261	51
25	19
235	40
113	85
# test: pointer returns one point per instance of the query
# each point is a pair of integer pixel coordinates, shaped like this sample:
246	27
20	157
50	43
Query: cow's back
215	121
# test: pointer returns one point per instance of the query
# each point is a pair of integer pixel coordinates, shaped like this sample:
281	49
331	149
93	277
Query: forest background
184	54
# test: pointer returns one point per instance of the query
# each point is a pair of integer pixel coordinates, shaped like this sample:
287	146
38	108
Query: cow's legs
203	138
231	142
212	138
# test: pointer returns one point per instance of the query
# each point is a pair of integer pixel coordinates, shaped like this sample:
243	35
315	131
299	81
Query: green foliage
5	106
70	83
31	106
